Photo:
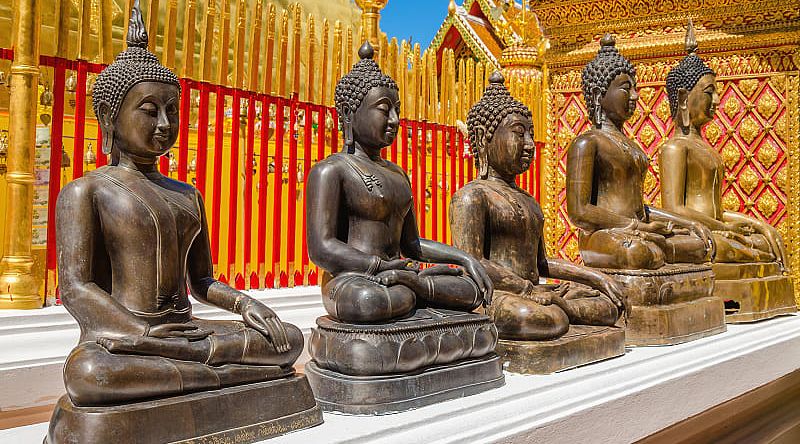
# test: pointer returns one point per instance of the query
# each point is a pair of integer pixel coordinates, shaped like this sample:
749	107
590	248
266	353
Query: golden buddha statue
750	260
635	242
496	221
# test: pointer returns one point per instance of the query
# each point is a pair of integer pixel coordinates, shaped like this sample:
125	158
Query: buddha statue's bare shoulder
471	195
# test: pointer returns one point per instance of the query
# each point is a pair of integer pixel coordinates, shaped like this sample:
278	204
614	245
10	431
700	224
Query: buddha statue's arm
77	233
210	291
426	250
564	270
759	226
323	200
673	165
468	220
580	175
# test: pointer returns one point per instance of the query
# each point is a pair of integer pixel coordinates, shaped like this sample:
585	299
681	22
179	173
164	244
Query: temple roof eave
458	20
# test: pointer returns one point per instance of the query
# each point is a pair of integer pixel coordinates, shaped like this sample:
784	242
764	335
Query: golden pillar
370	19
18	287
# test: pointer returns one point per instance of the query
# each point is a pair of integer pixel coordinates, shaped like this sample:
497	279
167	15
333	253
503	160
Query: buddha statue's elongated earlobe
106	126
347	127
682	119
599	116
481	154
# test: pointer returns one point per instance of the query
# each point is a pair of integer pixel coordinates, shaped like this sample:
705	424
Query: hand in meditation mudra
692	172
361	227
130	241
494	220
605	173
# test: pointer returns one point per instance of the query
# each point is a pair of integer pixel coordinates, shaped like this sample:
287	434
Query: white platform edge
617	401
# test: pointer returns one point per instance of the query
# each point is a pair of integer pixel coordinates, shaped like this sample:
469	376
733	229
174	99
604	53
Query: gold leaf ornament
780	179
731	154
780	127
647	134
649	182
767	105
731	107
662	110
713	132
767	154
571	249
767	204
730	202
647	93
573	114
748	130
748	87
748	180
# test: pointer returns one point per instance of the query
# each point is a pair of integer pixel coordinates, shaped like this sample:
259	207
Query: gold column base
19	289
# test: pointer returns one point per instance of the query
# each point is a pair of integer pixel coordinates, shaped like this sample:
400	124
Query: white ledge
616	401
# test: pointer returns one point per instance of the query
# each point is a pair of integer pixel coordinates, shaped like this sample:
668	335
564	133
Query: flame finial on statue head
687	72
691	40
137	34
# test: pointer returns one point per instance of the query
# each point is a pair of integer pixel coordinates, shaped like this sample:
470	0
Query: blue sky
417	19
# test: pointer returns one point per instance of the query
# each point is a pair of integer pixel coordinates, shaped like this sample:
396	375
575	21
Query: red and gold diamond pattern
749	130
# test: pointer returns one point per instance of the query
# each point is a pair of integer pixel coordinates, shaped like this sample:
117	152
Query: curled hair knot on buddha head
485	116
134	65
598	74
687	72
354	86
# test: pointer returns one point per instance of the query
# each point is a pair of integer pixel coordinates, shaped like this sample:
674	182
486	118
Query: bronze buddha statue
130	242
362	231
494	220
605	175
692	174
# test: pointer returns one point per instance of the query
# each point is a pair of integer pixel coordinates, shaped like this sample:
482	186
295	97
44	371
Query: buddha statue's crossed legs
628	249
360	297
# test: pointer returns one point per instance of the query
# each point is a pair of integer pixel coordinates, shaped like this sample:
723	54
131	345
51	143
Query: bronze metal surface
380	395
753	292
242	414
581	345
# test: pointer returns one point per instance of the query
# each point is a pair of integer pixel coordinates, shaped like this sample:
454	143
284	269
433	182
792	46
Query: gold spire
451	8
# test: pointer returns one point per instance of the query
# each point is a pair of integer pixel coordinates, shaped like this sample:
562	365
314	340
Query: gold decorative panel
731	106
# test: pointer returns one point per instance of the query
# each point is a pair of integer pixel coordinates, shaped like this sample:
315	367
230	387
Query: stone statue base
754	291
428	357
241	414
382	395
670	305
583	344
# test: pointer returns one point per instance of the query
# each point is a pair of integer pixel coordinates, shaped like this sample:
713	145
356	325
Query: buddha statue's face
510	152
703	100
146	126
619	101
376	120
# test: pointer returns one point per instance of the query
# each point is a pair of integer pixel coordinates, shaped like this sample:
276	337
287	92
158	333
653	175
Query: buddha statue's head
368	104
136	99
500	131
609	85
692	89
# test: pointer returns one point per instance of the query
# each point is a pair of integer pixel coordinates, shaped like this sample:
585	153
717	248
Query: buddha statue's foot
753	291
433	355
522	318
625	249
587	306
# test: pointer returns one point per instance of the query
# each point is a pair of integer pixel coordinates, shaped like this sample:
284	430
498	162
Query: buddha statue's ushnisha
361	227
496	221
692	172
605	173
131	242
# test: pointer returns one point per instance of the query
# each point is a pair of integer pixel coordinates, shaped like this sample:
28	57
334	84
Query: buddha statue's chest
513	214
148	217
373	192
620	158
704	165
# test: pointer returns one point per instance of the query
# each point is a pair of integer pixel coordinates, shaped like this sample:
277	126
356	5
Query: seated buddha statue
604	189
362	231
494	220
605	174
692	175
130	242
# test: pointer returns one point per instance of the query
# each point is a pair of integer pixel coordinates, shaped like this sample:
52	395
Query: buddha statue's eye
172	109
149	108
383	107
